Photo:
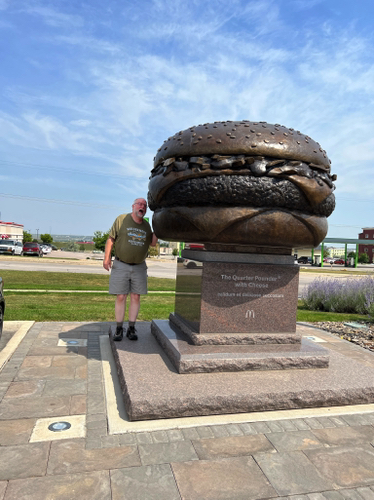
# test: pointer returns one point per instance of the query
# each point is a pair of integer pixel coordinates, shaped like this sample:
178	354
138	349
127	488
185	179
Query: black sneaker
131	333
119	334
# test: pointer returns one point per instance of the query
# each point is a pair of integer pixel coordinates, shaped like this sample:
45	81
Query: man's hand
107	264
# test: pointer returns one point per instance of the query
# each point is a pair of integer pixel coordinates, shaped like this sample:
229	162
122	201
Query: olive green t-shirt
131	240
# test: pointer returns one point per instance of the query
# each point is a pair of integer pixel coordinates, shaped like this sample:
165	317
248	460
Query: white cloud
53	17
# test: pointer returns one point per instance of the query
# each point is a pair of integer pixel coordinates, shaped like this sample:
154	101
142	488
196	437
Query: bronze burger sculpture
241	183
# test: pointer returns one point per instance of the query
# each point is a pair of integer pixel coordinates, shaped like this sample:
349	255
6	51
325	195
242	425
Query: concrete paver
153	482
237	478
298	455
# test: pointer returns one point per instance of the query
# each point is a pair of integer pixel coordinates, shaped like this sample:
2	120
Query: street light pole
37	234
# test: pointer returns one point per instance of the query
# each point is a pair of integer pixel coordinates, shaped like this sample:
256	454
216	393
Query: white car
46	248
192	264
11	247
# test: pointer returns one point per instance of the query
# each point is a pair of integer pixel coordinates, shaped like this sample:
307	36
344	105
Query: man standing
132	236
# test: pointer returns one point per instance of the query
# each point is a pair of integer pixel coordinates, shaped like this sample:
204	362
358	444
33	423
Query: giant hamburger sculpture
242	184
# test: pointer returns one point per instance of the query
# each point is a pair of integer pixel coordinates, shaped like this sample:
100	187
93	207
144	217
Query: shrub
353	295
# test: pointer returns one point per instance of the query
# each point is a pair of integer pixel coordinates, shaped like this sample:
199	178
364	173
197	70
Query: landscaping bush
353	295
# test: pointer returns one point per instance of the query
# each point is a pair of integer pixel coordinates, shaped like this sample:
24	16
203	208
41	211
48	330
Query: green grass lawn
43	280
82	306
24	306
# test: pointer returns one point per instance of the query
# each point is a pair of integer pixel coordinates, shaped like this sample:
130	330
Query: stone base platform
189	358
153	389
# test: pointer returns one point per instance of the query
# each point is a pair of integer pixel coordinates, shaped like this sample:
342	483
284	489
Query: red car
32	249
339	261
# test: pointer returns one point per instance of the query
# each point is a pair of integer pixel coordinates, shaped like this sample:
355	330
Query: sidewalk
58	440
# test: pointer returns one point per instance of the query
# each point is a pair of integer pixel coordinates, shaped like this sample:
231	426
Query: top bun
244	137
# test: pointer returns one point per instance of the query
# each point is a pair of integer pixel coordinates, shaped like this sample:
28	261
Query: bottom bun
266	227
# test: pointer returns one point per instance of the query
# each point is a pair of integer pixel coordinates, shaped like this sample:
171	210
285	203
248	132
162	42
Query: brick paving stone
89	486
64	387
93	442
292	473
23	461
333	495
71	456
175	435
287	425
356	419
366	493
338	421
232	446
25	388
78	404
109	441
350	494
160	437
34	407
127	439
261	427
190	433
154	482
236	478
314	423
340	436
161	453
143	437
37	361
326	422
14	432
274	426
247	428
292	441
316	496
3	487
345	466
51	372
205	432
234	430
301	424
219	430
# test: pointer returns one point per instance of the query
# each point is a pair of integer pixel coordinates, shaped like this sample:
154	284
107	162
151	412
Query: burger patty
241	190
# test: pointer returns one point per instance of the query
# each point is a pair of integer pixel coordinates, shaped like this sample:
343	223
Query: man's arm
154	240
107	263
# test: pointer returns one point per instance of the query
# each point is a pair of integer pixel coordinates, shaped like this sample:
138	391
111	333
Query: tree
27	237
72	247
363	258
175	252
99	239
351	255
46	238
153	251
326	252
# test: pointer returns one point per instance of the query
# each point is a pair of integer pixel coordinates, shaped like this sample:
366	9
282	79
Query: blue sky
90	90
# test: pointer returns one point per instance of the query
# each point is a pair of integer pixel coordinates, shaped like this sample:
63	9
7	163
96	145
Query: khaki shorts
125	279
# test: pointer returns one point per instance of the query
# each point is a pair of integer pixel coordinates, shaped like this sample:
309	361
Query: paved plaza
64	433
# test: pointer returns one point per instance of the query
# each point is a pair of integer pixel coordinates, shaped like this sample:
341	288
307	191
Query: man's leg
133	314
120	309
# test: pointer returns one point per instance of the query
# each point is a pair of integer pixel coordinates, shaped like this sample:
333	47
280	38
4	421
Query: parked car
304	260
192	264
2	306
11	247
46	248
32	249
339	261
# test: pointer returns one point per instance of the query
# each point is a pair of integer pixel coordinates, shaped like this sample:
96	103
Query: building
11	230
367	234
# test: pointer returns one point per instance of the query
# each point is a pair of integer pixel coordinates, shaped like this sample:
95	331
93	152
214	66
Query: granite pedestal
236	312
